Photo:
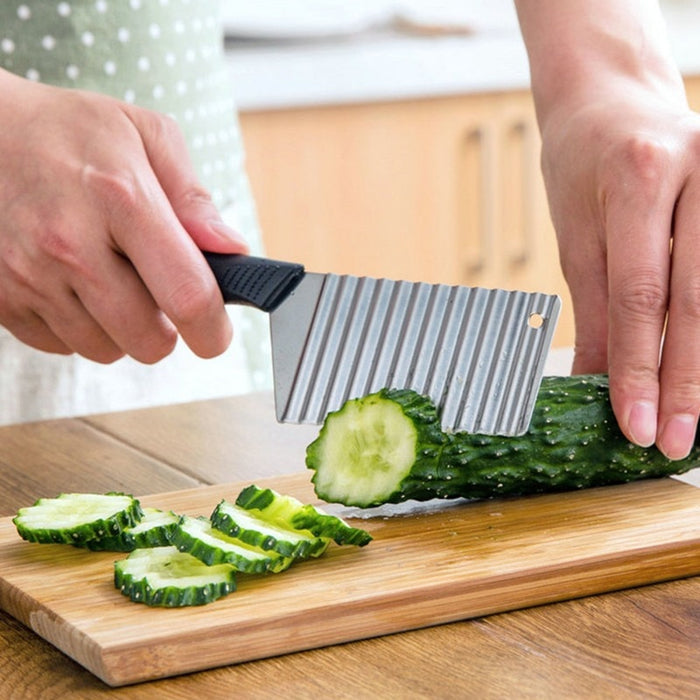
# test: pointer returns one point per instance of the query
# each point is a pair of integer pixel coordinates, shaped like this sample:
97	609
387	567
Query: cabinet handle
522	137
479	156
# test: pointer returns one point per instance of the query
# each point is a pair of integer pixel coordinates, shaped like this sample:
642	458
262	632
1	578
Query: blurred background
398	138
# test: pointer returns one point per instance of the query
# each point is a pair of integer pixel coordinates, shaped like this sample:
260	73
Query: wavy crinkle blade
478	353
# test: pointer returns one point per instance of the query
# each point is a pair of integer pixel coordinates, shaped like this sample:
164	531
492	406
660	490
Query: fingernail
678	436
641	423
225	231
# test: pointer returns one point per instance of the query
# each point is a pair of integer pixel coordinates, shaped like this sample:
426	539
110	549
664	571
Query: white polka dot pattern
161	54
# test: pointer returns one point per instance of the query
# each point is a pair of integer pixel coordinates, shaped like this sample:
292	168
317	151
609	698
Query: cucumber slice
197	537
153	530
77	518
164	576
287	511
255	530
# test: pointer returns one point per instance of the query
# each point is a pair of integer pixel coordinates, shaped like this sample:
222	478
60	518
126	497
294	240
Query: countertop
380	64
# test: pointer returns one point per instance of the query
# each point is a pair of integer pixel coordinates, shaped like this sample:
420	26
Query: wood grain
45	458
216	441
544	652
428	568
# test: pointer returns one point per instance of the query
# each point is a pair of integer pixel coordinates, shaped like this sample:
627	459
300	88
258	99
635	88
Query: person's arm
621	162
101	222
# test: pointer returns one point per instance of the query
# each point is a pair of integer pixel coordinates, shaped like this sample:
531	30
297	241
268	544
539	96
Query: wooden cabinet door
692	88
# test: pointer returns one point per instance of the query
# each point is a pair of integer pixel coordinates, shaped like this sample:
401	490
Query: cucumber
288	512
77	518
197	537
164	576
254	529
153	530
387	448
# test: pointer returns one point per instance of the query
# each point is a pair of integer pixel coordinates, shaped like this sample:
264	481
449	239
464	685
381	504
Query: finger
88	296
639	218
32	331
586	276
167	152
71	323
145	228
113	292
52	318
679	402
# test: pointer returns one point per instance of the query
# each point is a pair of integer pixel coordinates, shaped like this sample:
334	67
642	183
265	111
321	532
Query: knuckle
681	389
106	355
195	195
649	158
158	346
630	377
192	299
642	297
55	243
51	245
117	188
16	271
641	162
160	128
163	126
687	301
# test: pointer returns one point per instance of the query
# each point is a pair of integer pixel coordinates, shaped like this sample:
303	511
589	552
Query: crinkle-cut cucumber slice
164	576
255	530
288	511
77	518
153	530
201	540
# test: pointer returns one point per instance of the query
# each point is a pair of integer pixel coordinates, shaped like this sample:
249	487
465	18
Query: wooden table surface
640	643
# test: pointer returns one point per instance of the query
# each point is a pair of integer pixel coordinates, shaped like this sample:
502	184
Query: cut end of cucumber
371	445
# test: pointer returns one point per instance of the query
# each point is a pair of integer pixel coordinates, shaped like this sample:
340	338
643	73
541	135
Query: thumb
170	160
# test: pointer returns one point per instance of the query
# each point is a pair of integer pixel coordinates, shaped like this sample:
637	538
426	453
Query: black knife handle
258	282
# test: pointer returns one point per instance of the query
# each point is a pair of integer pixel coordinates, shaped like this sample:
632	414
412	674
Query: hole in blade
535	320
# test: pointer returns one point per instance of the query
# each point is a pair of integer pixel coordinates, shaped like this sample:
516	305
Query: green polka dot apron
164	55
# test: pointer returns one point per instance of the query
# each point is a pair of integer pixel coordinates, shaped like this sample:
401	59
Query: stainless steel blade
478	353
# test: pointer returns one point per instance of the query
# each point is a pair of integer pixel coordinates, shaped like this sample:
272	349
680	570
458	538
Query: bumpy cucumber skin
81	534
430	441
290	512
573	442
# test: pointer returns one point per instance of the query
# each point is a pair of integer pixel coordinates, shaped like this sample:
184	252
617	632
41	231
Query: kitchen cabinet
692	88
446	189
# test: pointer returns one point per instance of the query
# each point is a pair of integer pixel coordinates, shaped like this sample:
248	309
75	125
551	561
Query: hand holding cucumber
620	160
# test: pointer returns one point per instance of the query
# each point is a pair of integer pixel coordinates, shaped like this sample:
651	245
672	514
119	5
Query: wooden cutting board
431	566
